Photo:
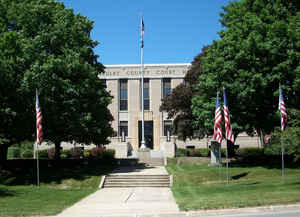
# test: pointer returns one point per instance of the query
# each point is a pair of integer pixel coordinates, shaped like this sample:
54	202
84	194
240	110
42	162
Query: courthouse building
124	84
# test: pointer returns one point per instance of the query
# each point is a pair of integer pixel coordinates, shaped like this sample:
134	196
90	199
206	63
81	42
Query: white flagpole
220	162
227	170
282	129
282	162
142	86
37	144
37	164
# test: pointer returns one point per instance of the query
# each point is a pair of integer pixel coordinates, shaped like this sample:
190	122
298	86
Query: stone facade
157	75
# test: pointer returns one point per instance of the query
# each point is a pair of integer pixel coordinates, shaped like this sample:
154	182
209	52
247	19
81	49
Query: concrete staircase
153	161
128	181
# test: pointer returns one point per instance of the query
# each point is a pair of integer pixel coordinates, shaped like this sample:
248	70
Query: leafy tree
178	103
290	138
48	47
259	48
15	119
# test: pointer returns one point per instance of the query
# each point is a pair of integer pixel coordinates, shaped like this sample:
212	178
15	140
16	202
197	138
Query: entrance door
148	133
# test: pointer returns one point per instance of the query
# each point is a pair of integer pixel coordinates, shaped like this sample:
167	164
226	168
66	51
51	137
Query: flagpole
39	137
282	162
142	81
227	170
37	165
283	114
220	163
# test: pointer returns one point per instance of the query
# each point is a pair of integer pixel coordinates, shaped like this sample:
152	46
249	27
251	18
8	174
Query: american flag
142	33
39	132
283	111
218	118
228	128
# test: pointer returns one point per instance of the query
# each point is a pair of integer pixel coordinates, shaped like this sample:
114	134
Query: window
123	127
123	95
146	94
166	87
167	127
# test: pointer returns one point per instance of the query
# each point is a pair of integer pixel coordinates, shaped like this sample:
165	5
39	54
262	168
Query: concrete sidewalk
127	201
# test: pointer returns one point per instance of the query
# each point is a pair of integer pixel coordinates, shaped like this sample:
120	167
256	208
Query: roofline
145	65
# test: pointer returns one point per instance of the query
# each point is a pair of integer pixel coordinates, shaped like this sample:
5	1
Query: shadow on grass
252	183
236	177
23	172
6	193
269	162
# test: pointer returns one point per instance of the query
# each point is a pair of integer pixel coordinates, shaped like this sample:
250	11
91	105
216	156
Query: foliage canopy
259	49
48	47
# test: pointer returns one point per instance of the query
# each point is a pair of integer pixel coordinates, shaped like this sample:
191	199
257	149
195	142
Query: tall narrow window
123	95
123	128
166	87
167	127
146	94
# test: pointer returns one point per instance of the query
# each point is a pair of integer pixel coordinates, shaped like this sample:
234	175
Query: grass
198	186
61	186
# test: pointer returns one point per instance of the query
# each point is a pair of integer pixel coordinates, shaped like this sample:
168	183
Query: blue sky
175	30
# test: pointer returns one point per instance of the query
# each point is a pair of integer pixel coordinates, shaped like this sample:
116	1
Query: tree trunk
57	150
3	155
261	137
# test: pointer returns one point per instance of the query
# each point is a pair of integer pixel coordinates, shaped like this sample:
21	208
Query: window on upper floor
146	94
166	87
123	95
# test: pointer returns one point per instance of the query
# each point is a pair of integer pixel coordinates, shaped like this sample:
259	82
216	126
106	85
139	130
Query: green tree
290	138
259	48
51	50
178	103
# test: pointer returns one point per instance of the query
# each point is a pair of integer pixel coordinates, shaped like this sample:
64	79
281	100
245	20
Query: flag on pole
142	33
39	132
228	128
218	118
282	110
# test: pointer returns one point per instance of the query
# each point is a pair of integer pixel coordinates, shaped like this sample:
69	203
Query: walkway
127	201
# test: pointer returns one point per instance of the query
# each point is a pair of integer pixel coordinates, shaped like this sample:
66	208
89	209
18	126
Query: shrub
181	152
204	152
290	139
223	152
27	154
51	153
76	152
250	152
27	145
66	153
109	154
13	153
43	153
98	152
86	153
194	152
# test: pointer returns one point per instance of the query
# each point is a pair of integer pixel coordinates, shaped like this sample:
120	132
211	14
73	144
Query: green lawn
61	186
197	186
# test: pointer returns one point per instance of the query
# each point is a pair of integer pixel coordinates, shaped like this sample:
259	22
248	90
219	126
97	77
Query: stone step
138	176
132	180
137	181
135	185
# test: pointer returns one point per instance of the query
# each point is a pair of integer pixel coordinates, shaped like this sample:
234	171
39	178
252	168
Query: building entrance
148	133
